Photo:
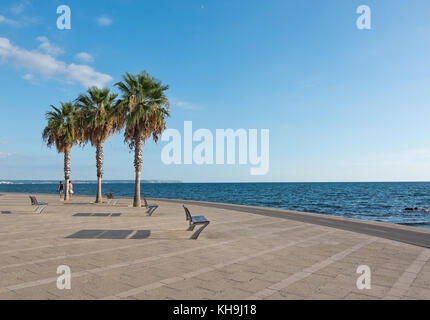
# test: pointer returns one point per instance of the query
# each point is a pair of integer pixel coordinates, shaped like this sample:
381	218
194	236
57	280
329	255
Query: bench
38	207
111	200
150	207
196	220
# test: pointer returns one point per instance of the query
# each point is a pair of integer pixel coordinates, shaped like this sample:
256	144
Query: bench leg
191	227
40	208
196	234
151	211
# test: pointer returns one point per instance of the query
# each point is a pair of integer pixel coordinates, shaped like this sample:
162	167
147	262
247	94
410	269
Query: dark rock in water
416	209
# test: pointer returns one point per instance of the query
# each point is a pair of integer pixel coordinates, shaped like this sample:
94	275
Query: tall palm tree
97	109
144	109
63	131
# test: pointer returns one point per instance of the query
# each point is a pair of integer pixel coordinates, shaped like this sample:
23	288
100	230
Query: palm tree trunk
138	159
66	173
99	165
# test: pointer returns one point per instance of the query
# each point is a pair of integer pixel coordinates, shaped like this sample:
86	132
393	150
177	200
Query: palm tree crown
144	107
97	111
62	129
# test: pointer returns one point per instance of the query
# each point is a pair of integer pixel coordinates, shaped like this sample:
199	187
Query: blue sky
341	104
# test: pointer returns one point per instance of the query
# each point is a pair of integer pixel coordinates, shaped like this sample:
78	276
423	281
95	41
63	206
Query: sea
405	203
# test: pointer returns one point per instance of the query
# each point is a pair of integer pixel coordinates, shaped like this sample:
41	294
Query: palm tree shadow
129	234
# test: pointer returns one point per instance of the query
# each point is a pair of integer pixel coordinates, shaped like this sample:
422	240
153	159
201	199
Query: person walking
60	189
70	189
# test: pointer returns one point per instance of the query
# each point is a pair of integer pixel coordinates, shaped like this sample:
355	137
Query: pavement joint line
129	263
405	281
83	241
307	272
70	223
31	230
76	220
131	235
200	271
56	236
86	222
46	246
74	227
100	269
80	254
104	250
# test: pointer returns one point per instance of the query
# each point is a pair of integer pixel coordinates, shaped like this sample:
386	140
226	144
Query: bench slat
198	219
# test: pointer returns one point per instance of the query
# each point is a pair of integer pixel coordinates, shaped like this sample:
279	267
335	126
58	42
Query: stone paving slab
117	252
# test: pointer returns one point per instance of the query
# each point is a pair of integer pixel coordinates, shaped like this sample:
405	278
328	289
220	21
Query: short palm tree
97	111
63	131
144	108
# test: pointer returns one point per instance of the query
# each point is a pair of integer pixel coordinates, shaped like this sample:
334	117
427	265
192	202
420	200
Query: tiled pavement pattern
238	256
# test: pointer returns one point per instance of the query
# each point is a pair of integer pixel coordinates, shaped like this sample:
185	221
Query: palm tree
97	110
63	131
144	109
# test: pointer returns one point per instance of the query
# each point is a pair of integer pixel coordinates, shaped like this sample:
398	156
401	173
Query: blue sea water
371	201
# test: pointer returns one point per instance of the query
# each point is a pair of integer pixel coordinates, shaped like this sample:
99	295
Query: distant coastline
84	181
12	181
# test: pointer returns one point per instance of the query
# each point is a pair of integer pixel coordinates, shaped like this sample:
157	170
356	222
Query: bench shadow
110	234
97	214
130	234
6	212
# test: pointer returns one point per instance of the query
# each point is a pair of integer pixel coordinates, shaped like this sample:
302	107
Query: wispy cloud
48	66
185	105
47	47
18	8
84	57
10	22
3	141
104	21
28	76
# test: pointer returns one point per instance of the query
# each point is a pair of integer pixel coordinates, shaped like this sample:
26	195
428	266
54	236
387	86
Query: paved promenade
117	252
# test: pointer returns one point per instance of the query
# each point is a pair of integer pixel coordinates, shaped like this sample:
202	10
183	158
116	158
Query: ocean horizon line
5	181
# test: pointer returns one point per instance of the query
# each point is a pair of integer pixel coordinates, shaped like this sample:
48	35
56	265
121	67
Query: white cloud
47	47
20	7
28	76
87	76
104	21
84	57
7	21
186	105
49	67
